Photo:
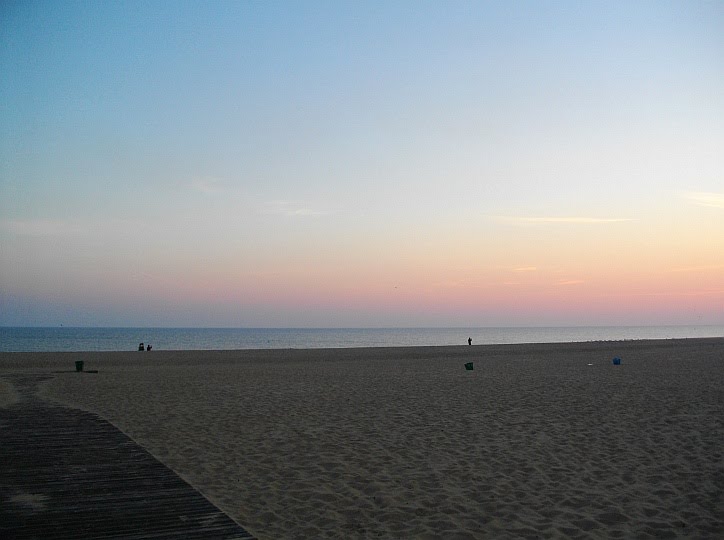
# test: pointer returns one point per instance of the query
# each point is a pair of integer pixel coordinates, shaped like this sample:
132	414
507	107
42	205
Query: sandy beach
538	441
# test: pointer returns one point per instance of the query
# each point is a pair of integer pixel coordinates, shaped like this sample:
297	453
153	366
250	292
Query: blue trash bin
617	361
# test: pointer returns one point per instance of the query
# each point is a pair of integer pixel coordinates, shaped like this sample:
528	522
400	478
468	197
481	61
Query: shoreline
251	351
539	440
127	339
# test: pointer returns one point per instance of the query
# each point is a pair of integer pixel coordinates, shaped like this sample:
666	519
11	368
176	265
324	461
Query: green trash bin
469	366
79	365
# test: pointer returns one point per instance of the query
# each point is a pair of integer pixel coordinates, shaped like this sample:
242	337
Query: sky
361	163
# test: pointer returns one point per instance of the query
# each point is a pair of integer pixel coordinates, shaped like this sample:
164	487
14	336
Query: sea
37	339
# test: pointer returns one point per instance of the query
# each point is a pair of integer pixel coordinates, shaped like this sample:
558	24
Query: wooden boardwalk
66	473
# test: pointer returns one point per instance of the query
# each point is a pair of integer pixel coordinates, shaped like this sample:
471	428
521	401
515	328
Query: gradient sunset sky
345	164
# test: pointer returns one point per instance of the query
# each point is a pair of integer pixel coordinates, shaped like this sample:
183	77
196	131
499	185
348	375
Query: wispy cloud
702	268
702	198
207	185
42	228
572	220
293	209
458	284
525	269
705	292
568	282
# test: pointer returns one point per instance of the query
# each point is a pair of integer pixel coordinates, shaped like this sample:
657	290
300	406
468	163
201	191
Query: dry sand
405	443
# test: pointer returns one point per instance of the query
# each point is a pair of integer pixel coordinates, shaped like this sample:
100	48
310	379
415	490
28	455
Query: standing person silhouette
470	341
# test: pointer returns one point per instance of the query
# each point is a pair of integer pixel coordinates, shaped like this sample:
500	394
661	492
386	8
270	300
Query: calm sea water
122	339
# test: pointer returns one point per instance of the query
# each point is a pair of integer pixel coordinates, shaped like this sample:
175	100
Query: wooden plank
66	473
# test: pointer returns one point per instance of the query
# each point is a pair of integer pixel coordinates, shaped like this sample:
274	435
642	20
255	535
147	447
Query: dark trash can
469	366
617	361
79	365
